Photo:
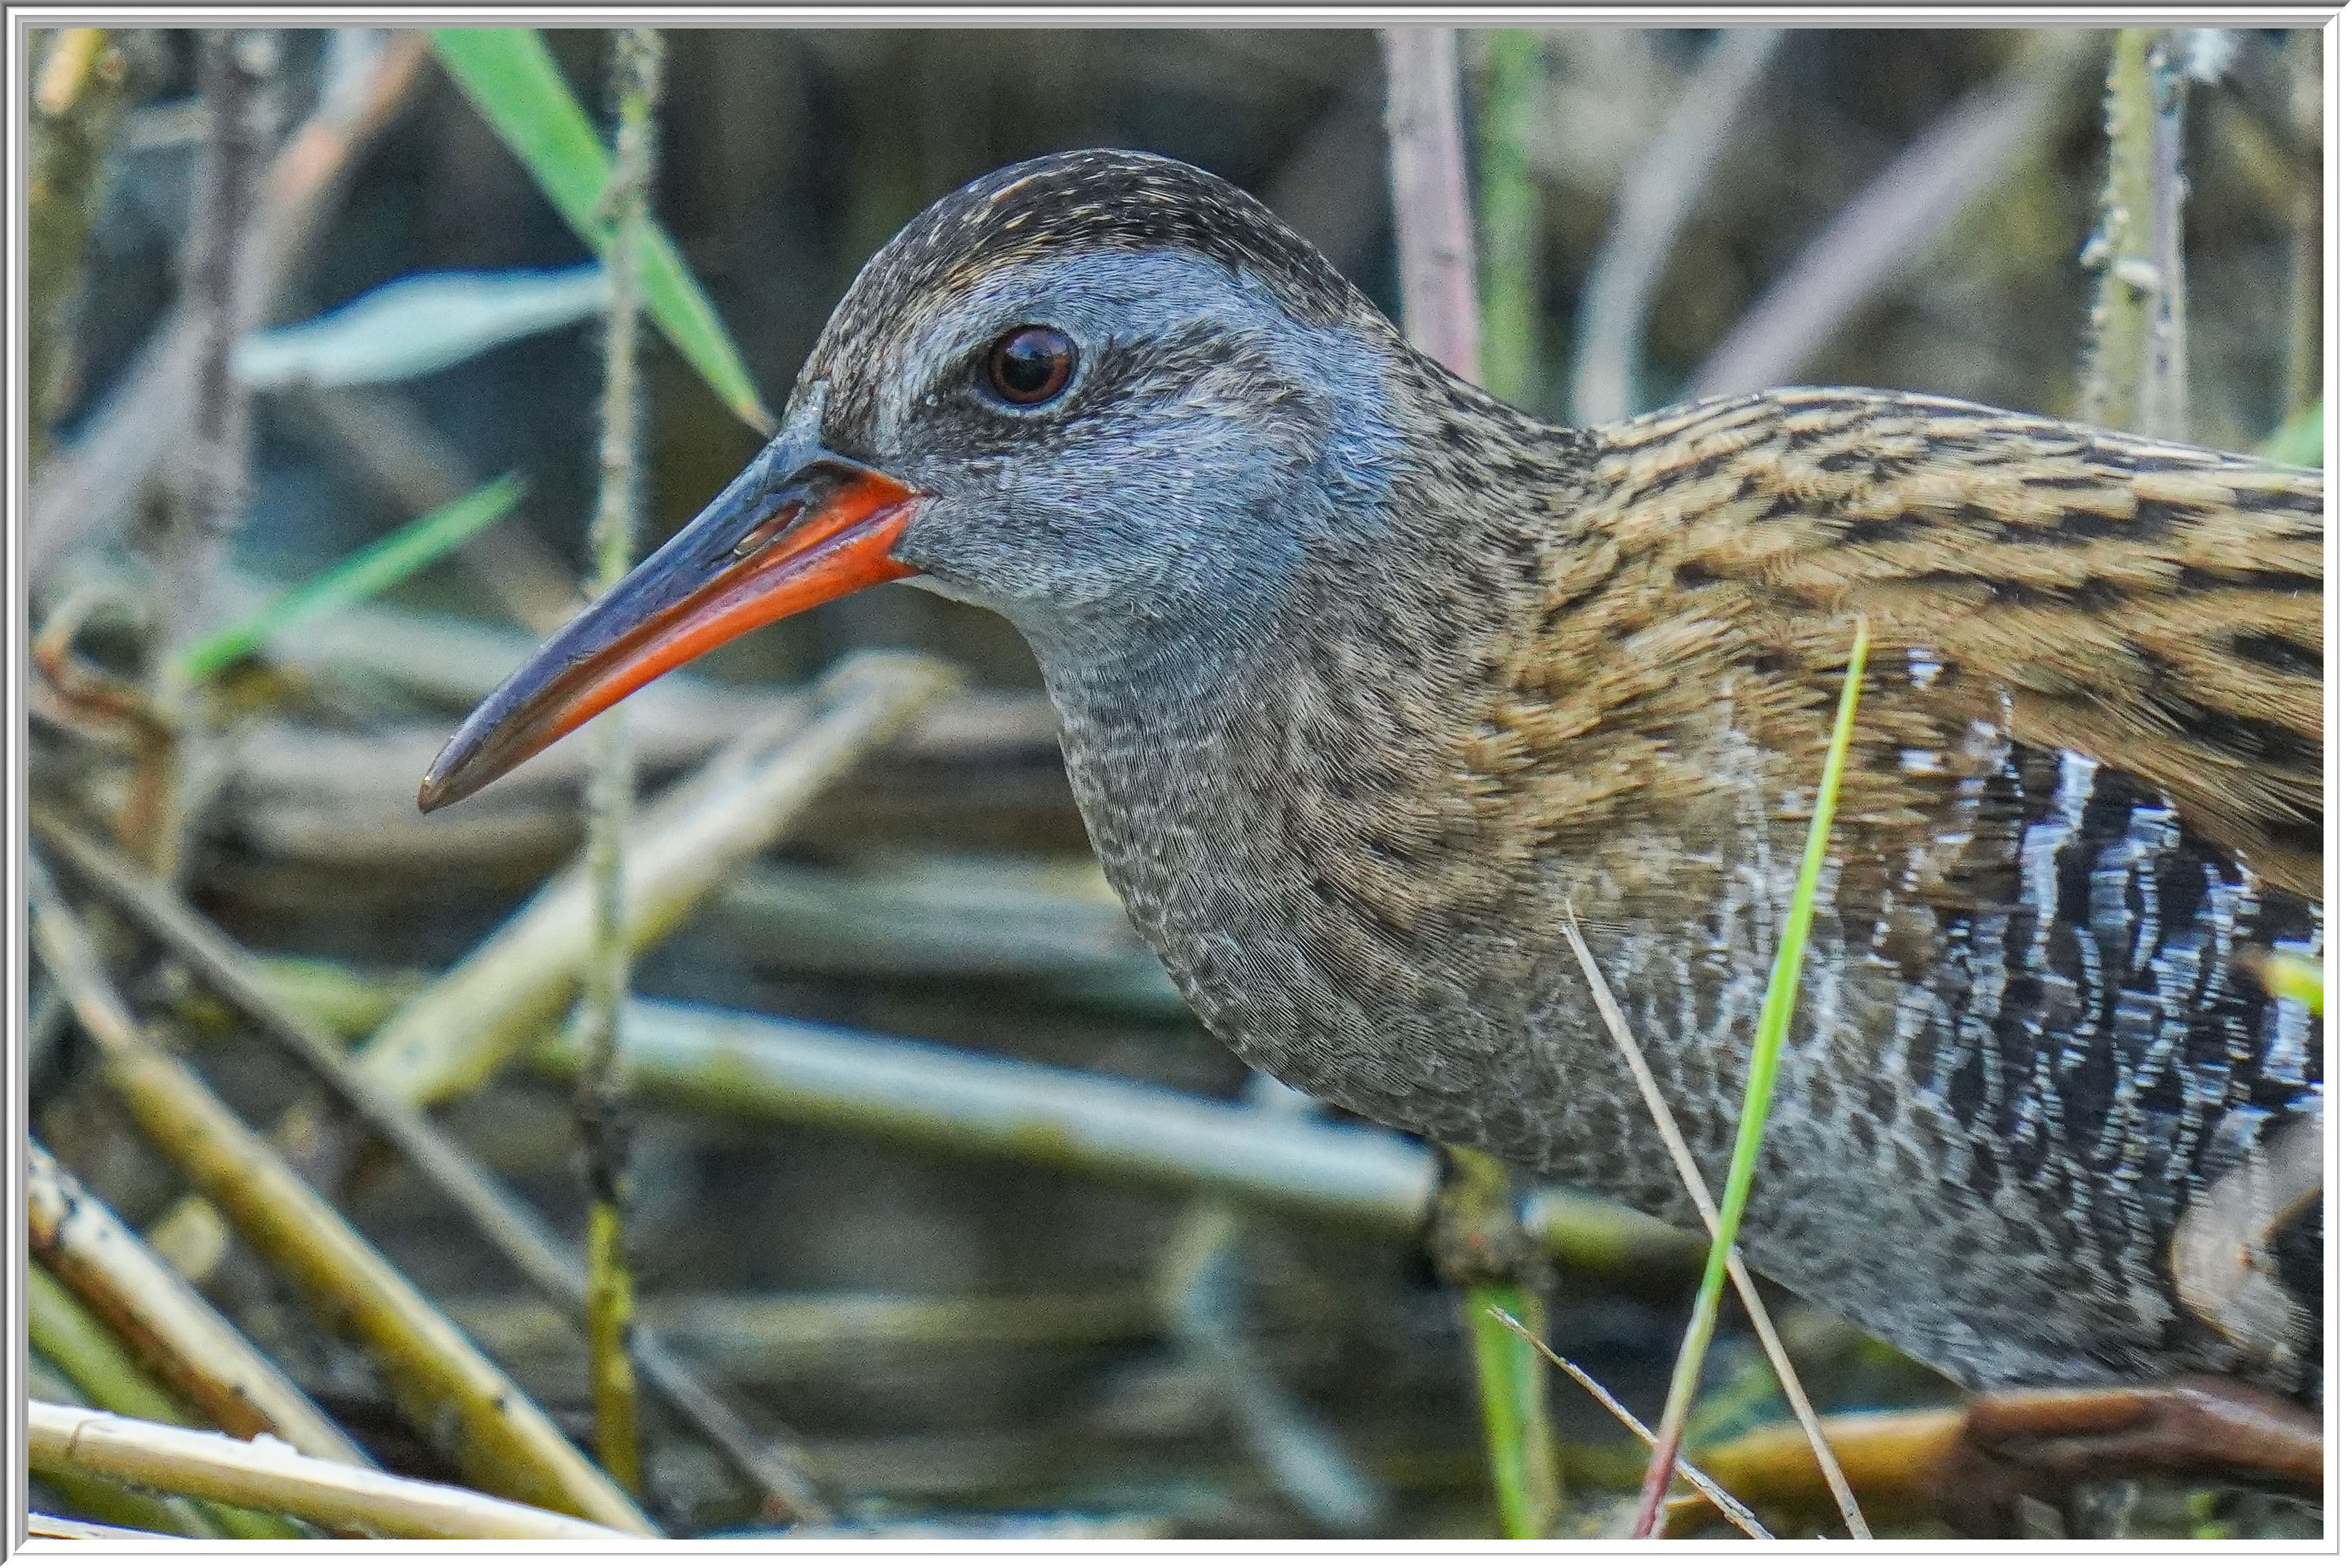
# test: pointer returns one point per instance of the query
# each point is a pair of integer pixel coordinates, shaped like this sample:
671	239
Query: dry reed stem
2164	391
2121	251
518	1235
1655	198
180	1335
748	1065
1887	1454
92	487
758	1333
599	1098
95	1368
265	1474
440	1380
1694	1184
237	83
50	1527
1475	1235
1434	257
1733	1509
513	989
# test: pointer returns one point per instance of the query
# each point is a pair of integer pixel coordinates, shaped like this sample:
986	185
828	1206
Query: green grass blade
1511	1400
1763	1067
509	75
2302	440
358	576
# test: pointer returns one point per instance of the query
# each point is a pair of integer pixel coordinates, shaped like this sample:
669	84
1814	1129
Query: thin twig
2164	395
768	1460
1763	1071
2121	250
1733	1509
442	1382
1434	259
142	424
510	991
1475	1238
599	1099
181	1335
1654	201
267	1474
237	84
1695	1185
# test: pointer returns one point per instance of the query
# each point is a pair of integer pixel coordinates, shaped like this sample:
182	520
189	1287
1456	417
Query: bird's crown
1066	203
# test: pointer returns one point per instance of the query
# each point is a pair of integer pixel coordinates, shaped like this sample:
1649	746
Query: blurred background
1013	1326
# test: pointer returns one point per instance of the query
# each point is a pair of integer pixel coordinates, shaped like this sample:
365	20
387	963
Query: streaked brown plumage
1366	679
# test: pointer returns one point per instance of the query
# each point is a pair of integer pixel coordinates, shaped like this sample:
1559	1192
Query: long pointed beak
797	528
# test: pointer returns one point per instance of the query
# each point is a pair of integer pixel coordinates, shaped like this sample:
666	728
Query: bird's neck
1275	791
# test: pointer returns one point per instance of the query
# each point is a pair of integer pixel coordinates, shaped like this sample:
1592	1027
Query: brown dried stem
237	82
94	487
513	989
1434	260
199	1354
518	1235
1695	1185
441	1382
264	1474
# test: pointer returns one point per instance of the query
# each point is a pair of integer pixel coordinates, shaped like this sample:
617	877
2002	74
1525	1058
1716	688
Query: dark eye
1030	364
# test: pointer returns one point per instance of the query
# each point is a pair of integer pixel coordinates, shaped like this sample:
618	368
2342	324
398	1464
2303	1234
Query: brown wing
2153	607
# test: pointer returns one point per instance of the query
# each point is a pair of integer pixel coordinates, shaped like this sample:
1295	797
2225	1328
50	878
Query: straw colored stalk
265	1474
1747	1144
513	989
194	1350
1731	1507
600	1099
2127	307
745	1065
88	1363
525	1240
1693	1184
92	487
1477	1241
442	1384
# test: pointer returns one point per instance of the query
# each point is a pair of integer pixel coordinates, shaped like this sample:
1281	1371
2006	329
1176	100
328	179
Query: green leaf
511	79
359	575
2302	440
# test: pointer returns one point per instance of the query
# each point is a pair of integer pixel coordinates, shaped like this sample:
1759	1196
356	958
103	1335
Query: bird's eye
1030	365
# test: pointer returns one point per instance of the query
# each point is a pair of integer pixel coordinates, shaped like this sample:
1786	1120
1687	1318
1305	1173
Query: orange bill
795	528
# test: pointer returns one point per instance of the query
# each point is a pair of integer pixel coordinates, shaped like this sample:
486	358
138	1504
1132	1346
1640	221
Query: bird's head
1104	394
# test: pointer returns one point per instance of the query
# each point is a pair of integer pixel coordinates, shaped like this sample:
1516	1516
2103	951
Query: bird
1368	682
